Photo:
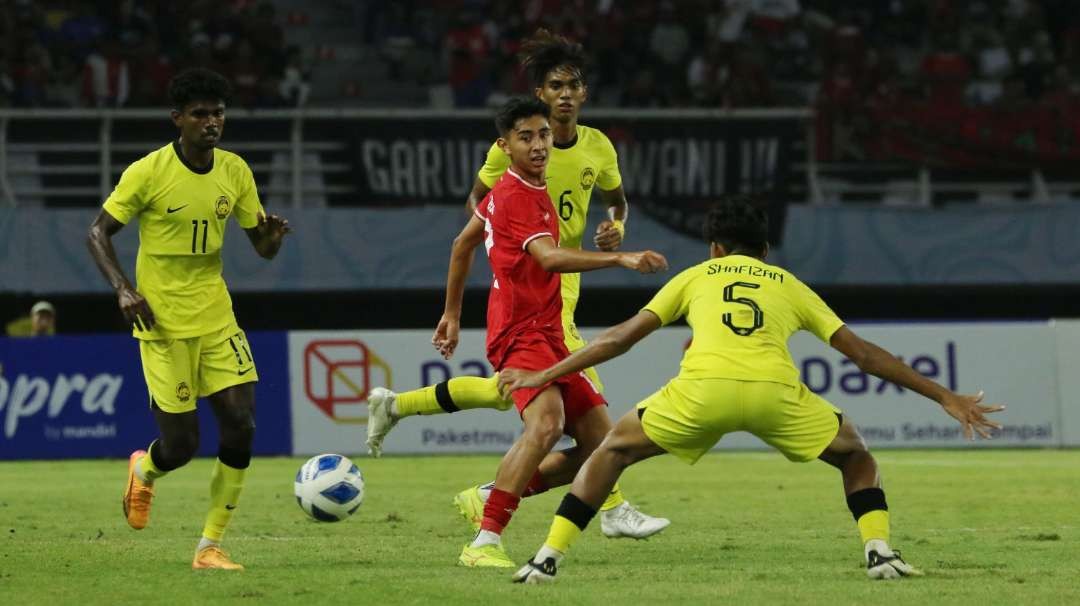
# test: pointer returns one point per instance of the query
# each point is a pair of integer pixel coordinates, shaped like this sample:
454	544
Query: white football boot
626	521
380	421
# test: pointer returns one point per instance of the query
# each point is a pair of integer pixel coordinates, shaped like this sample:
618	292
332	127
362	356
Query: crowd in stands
116	53
903	66
749	53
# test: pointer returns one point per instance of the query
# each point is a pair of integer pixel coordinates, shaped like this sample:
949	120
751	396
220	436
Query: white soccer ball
329	487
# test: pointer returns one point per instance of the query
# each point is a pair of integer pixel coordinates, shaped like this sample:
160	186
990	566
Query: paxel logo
28	396
338	375
822	376
437	371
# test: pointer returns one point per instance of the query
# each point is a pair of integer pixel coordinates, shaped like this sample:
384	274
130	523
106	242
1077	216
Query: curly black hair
198	84
517	108
545	51
738	223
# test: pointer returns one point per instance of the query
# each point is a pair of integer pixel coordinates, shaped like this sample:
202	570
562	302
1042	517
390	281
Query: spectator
32	76
994	62
7	81
80	32
42	319
707	75
294	88
132	28
40	322
106	82
946	73
267	37
150	75
669	41
468	49
245	73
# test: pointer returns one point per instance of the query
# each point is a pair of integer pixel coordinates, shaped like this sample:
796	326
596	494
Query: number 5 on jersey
759	316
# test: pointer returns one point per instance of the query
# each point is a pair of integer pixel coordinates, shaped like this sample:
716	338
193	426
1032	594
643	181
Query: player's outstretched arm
136	310
567	260
611	343
268	234
611	232
479	190
446	334
874	360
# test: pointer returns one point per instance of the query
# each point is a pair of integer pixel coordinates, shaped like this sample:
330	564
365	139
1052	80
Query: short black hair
738	223
517	108
198	84
545	51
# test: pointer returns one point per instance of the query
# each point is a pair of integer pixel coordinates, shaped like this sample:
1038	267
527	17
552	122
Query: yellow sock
613	500
149	470
562	534
225	486
459	393
477	392
418	402
874	525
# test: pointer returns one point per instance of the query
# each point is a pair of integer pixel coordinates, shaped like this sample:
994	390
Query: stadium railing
88	149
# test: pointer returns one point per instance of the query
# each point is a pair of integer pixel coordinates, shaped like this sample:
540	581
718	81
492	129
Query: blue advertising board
84	396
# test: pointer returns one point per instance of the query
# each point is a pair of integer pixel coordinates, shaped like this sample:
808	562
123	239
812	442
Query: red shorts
533	351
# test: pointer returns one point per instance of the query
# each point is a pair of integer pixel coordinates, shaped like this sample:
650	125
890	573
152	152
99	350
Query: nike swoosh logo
172	210
230	507
243	372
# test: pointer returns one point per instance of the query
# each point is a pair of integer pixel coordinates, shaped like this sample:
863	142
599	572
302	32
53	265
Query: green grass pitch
987	526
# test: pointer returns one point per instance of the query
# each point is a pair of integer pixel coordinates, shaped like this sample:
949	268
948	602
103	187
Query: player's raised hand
446	336
971	414
273	226
512	379
608	237
136	310
646	262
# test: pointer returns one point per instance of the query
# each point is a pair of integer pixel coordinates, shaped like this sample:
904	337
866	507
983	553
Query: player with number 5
737	375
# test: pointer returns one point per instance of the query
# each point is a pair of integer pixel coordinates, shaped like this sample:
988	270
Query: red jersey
523	297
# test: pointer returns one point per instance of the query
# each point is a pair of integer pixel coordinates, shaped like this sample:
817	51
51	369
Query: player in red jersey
524	318
517	224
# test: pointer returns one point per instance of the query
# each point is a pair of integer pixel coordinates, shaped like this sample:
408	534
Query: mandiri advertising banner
84	396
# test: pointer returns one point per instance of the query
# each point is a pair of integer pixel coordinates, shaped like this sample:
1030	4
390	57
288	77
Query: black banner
672	168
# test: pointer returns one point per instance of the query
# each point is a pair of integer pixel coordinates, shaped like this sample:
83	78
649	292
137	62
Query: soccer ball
329	487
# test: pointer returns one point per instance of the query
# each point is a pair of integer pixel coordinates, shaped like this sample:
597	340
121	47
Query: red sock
536	485
498	510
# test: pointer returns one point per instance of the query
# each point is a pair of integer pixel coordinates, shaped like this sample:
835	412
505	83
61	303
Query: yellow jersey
742	311
182	213
572	171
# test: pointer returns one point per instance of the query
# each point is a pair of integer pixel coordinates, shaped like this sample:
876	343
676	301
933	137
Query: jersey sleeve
814	314
609	177
248	208
484	207
129	198
526	219
672	302
495	165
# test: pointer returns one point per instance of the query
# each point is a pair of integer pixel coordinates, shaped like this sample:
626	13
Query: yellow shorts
687	417
179	371
574	342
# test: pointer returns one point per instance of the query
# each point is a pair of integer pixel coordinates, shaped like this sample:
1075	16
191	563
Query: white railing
296	145
817	183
